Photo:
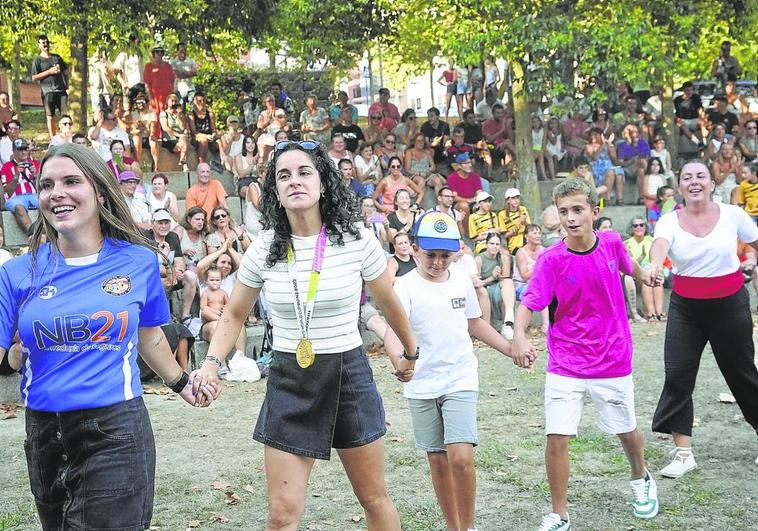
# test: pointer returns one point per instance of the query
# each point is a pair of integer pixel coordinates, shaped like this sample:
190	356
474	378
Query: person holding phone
17	176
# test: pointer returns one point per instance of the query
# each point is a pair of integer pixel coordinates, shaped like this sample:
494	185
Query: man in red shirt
207	193
390	114
18	175
159	79
464	182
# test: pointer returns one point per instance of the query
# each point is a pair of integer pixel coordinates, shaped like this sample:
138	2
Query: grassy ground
199	447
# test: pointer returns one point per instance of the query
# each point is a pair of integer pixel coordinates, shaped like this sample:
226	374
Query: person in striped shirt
311	260
482	222
513	220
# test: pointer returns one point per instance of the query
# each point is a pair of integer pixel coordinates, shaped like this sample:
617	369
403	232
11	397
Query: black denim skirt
92	468
333	403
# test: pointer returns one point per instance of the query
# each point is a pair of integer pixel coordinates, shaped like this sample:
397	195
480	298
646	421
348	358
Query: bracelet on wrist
411	358
214	359
179	384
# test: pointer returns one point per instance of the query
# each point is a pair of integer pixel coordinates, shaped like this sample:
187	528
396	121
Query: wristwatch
411	358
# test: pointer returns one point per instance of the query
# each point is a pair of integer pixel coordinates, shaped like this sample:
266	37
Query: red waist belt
708	287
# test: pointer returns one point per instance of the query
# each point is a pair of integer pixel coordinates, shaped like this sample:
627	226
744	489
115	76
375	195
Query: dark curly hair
338	209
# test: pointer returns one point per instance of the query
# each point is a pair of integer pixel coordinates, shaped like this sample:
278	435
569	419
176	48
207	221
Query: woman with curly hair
312	257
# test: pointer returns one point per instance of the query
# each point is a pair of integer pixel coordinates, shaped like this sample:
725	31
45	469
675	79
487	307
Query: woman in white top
246	165
368	169
654	178
320	381
253	208
709	303
161	197
192	234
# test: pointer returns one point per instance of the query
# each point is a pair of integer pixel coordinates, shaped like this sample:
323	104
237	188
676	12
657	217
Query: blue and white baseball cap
436	231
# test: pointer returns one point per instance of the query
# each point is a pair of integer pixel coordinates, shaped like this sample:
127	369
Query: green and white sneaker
553	522
645	502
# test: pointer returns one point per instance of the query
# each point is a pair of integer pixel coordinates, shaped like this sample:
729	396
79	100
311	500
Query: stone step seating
178	182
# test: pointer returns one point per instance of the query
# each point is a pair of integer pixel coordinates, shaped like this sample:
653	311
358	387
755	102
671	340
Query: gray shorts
449	419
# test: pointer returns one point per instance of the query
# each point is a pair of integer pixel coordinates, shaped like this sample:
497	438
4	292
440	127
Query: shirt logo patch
117	286
48	292
612	265
458	303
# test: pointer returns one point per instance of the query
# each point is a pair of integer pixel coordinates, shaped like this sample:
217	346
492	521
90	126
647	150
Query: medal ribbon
304	312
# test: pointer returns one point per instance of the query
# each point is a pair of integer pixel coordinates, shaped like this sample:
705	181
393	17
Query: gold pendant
304	353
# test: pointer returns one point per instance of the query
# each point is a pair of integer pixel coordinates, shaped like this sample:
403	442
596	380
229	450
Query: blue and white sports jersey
78	324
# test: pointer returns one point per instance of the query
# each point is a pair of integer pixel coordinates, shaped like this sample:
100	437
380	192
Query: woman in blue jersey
85	304
311	259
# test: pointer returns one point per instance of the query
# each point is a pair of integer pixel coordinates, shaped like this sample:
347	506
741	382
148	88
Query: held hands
204	382
652	276
523	352
204	396
404	369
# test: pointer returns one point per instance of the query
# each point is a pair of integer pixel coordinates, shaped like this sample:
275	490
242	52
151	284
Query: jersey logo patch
117	286
458	303
48	292
612	265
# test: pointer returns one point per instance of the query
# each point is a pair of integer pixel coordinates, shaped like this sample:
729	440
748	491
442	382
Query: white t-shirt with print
439	314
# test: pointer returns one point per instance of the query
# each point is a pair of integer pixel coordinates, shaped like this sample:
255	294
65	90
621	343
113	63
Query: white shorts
564	399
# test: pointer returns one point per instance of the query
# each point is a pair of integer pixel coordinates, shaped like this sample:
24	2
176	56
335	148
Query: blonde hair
576	187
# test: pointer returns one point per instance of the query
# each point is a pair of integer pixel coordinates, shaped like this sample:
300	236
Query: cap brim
438	244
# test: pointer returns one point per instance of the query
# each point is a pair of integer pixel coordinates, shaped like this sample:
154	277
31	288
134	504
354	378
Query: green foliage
329	32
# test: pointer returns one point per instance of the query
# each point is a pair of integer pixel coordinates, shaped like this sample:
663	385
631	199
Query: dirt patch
210	472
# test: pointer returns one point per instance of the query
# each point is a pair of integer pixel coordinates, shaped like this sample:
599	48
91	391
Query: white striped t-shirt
334	325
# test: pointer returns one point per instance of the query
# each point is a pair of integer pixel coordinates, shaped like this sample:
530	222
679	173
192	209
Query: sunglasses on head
221	215
305	144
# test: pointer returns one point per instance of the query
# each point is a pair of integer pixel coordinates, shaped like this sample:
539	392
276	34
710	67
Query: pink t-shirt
467	187
589	335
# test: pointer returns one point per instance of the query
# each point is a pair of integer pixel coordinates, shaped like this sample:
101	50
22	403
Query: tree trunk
14	89
77	90
671	131
527	171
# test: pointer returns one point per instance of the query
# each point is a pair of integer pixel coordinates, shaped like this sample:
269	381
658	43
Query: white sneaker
645	502
682	462
553	522
507	330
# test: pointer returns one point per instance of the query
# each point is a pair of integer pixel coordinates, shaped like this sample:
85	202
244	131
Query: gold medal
304	353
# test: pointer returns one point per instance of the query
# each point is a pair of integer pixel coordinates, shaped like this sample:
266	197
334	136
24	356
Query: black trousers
727	324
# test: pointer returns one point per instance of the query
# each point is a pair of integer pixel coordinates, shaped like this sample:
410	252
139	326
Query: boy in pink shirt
589	345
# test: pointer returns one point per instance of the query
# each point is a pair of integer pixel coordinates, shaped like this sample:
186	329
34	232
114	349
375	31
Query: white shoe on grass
682	462
507	330
645	502
553	522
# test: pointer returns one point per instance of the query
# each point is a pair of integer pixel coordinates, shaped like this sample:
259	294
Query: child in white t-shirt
443	310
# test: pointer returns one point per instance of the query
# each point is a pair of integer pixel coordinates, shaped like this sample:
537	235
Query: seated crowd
392	164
